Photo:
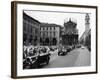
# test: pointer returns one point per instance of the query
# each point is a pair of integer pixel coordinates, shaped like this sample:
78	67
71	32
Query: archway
41	41
47	41
54	41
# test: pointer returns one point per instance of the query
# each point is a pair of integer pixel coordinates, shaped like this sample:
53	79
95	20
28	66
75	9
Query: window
31	38
31	29
47	28
28	21
36	31
43	28
50	34
50	28
41	34
45	33
28	28
54	33
24	26
24	37
54	28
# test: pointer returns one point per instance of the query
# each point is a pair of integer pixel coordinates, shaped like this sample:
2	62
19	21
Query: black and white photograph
54	39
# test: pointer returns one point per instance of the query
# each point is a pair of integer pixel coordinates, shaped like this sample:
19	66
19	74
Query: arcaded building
31	28
49	34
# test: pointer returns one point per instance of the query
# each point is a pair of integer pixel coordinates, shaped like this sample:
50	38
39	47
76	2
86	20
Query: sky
59	18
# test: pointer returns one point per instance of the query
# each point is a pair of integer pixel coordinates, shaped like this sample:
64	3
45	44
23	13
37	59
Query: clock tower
87	22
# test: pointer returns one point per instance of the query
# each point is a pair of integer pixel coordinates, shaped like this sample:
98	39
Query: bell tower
87	22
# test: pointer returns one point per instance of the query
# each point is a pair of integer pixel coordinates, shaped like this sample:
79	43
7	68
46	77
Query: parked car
82	47
78	46
30	62
69	49
73	47
44	57
36	57
52	49
62	52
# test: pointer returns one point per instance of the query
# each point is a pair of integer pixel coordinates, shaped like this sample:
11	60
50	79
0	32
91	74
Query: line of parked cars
35	57
65	49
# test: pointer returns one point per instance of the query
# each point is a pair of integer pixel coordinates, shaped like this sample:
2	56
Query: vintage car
44	57
51	49
62	52
36	57
30	61
78	46
69	49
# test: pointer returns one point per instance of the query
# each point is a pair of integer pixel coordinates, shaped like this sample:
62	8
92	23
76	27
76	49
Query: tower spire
69	19
87	22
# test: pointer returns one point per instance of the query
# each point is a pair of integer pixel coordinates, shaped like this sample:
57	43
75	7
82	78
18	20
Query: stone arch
47	41
54	41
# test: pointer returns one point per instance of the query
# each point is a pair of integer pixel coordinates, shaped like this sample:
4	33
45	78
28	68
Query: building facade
70	33
85	39
30	30
49	34
87	30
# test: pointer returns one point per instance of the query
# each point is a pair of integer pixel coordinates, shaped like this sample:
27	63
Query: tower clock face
87	21
87	18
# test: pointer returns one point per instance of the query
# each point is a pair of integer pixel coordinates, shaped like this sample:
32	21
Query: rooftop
30	17
49	25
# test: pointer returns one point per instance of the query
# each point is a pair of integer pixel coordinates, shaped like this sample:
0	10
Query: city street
77	57
47	34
